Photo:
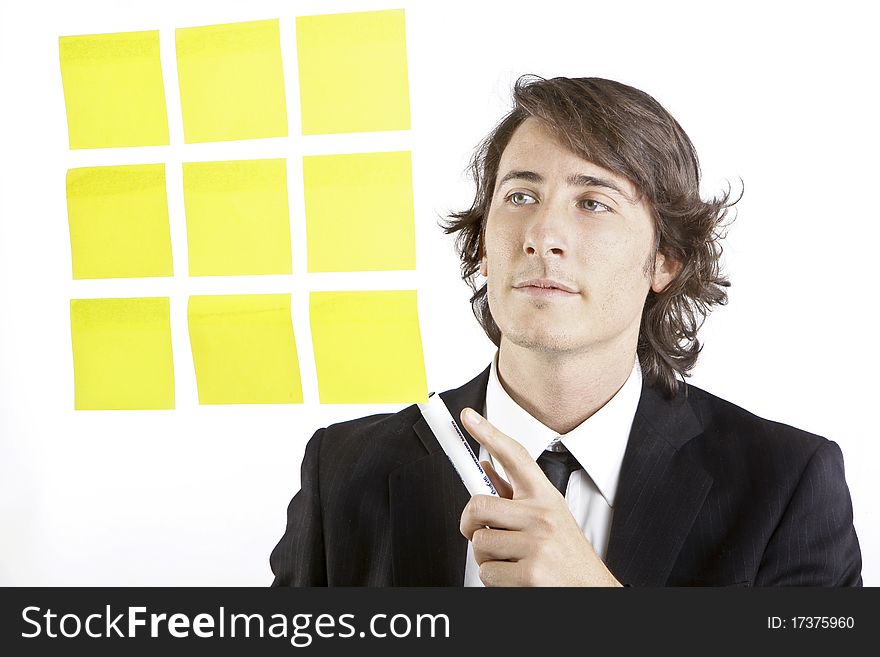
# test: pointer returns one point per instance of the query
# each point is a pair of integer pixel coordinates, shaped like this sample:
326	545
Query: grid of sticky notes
359	213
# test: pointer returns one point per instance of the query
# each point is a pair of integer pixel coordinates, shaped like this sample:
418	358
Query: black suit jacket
709	494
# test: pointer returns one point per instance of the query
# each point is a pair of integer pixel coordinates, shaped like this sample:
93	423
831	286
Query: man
600	262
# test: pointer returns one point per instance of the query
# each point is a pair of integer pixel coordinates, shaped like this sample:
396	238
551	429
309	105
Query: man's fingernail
472	416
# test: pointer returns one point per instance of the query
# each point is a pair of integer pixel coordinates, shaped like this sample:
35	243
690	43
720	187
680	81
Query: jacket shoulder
394	431
737	446
725	419
365	447
380	423
778	511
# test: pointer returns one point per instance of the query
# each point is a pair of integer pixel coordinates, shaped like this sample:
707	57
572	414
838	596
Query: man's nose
546	232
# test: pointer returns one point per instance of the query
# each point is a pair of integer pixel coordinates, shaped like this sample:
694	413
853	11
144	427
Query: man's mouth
546	287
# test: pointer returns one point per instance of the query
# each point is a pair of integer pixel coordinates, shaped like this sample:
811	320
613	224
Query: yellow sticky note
359	212
368	347
237	219
122	353
113	90
243	349
118	219
353	72
231	82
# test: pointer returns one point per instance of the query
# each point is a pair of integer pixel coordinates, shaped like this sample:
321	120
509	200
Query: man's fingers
497	512
521	470
504	489
499	545
503	573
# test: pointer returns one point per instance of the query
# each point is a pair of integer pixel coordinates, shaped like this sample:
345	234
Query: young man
600	261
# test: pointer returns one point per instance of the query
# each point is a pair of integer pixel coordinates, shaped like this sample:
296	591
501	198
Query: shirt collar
598	443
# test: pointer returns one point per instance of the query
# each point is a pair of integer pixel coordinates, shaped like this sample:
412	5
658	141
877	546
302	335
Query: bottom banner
430	621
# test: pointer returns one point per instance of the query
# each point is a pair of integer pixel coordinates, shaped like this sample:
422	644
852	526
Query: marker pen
455	445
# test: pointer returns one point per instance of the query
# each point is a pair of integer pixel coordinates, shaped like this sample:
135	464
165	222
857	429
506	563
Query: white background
782	95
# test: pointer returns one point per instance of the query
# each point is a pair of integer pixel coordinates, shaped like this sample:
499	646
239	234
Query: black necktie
558	467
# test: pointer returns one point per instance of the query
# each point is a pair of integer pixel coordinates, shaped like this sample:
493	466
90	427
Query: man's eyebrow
574	180
581	180
529	176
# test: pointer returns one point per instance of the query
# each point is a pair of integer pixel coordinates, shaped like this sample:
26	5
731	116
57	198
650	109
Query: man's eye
520	198
595	206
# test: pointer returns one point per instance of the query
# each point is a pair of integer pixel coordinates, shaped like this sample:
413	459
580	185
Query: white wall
782	95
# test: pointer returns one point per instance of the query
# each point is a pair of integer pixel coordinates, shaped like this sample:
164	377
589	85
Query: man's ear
484	265
666	269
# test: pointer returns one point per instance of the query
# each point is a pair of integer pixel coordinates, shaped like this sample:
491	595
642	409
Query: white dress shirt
598	443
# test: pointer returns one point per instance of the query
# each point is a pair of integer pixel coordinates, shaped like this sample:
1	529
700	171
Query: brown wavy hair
628	132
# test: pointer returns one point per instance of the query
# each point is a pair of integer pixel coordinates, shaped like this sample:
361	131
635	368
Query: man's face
567	249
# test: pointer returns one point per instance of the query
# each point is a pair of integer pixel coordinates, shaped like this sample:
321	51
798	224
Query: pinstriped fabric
709	495
779	511
429	549
815	532
298	559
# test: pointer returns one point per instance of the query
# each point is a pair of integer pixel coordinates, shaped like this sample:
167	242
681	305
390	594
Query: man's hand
533	540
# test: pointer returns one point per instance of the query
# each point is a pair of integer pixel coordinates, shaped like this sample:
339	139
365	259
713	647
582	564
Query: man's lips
545	287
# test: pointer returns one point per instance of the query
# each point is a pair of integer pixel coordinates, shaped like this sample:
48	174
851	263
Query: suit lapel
427	498
660	492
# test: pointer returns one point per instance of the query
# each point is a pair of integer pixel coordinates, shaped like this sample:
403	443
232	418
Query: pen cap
455	445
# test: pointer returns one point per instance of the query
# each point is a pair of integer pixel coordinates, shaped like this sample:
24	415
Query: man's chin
542	341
